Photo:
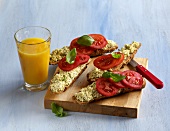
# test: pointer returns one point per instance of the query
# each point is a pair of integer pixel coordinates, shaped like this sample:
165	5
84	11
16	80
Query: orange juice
34	58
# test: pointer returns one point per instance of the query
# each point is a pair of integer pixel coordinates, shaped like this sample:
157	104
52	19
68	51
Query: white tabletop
122	21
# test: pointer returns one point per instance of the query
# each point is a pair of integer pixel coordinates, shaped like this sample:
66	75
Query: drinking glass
33	45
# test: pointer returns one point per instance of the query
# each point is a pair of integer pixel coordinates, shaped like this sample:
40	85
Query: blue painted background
146	21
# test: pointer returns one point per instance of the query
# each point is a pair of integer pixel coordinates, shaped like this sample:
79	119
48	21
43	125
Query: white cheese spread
111	44
63	79
58	54
128	49
96	73
88	93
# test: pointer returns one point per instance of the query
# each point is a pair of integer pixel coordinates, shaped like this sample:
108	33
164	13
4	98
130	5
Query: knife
147	74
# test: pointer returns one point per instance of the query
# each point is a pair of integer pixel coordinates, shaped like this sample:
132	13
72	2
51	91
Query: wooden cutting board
126	105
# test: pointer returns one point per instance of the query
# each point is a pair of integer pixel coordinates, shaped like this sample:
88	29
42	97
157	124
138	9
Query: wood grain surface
124	21
126	105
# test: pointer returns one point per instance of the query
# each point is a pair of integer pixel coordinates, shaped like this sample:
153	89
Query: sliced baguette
58	54
126	60
91	92
62	80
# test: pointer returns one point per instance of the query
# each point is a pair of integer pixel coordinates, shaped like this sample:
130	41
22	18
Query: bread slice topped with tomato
92	45
110	84
113	61
69	69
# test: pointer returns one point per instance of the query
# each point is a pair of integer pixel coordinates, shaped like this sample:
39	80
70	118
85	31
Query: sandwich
69	69
117	60
110	84
92	45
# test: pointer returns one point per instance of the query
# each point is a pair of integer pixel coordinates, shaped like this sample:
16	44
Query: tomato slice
106	62
133	79
100	41
105	87
118	84
63	65
119	60
86	50
83	58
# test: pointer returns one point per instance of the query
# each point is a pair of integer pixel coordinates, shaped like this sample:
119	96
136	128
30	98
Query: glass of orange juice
33	45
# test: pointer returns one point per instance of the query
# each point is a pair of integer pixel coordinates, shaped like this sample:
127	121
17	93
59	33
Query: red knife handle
149	76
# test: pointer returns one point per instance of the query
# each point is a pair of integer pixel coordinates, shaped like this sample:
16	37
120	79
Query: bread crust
99	52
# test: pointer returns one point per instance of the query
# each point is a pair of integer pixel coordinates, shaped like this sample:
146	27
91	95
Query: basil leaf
106	74
71	55
85	40
114	77
58	110
114	55
64	114
53	107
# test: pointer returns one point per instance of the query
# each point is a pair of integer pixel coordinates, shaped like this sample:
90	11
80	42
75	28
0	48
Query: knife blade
147	74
